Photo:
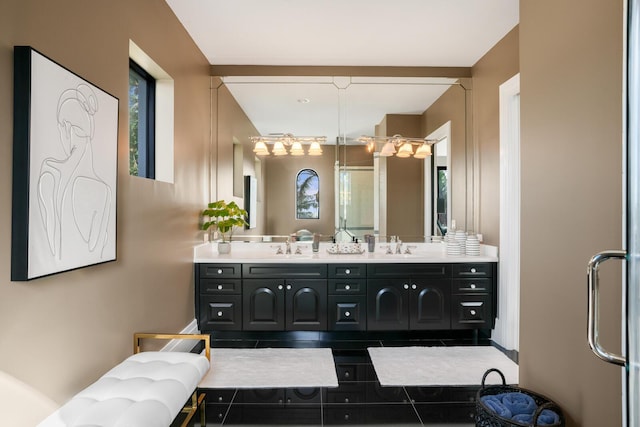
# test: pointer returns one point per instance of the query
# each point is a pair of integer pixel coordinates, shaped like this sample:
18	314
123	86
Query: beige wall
405	182
571	115
497	66
61	332
280	193
451	106
230	124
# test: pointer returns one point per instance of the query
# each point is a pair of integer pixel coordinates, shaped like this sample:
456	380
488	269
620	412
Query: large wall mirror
361	191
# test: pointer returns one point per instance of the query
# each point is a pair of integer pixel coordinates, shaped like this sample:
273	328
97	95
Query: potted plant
224	217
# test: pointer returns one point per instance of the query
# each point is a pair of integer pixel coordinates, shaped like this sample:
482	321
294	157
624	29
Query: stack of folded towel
519	407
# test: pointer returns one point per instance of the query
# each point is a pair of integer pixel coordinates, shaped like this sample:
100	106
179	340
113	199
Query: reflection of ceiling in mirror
279	104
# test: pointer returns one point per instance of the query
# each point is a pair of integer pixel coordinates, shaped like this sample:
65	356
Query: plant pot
224	247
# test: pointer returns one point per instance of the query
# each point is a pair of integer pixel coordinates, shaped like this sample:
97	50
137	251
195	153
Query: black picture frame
65	167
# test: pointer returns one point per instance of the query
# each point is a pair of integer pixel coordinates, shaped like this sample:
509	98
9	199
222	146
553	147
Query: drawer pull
347	313
473	312
346	400
288	287
347	271
220	287
219	271
414	287
347	287
406	286
473	270
280	287
347	375
220	314
472	286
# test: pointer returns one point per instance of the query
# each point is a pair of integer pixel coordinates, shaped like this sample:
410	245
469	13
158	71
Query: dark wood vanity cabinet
408	296
346	297
284	297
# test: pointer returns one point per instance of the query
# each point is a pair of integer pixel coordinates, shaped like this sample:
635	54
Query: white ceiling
447	33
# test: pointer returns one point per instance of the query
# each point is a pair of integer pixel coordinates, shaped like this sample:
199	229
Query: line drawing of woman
74	201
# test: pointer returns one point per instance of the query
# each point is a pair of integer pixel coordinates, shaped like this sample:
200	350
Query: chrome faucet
288	247
398	246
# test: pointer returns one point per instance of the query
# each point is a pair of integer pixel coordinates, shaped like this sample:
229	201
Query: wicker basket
485	417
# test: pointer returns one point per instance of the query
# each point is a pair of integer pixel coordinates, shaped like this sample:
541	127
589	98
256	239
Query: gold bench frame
197	400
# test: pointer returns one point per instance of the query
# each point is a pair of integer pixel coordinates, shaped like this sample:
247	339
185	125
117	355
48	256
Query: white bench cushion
147	389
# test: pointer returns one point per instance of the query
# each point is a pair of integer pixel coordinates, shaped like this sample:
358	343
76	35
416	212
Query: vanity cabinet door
220	313
263	304
387	304
429	304
347	313
306	305
472	311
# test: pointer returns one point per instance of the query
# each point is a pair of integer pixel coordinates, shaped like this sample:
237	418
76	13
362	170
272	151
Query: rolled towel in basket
494	403
547	417
519	403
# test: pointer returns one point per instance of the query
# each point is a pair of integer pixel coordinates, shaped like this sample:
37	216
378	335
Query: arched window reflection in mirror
307	194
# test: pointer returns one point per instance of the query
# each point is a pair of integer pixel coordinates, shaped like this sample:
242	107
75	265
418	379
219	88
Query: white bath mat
270	368
439	366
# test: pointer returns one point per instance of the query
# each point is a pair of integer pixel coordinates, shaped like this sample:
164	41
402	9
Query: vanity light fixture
281	142
423	151
398	145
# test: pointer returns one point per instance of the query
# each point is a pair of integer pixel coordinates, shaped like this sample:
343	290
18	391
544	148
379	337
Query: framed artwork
307	194
65	142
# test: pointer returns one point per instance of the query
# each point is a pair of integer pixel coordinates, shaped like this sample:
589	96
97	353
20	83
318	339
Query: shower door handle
594	304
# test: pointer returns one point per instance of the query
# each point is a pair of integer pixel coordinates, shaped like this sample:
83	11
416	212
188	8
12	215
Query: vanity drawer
399	270
284	271
347	287
219	270
471	311
347	271
221	286
473	269
472	285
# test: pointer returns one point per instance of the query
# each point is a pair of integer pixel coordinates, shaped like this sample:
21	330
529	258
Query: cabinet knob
347	287
472	286
414	286
220	287
473	270
347	375
280	287
220	314
220	399
347	313
473	312
288	287
406	286
219	271
347	271
346	400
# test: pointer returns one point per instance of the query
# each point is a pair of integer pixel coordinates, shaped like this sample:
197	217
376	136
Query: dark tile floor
358	400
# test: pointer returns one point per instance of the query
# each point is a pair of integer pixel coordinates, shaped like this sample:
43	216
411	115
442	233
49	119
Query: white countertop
243	252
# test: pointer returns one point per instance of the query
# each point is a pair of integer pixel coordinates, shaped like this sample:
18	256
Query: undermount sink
401	256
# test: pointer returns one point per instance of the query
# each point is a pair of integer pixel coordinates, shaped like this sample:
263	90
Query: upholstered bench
147	389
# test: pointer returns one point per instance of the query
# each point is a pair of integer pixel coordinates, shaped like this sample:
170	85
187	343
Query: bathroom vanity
255	289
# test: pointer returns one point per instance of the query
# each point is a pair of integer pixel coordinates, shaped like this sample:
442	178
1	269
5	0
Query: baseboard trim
183	345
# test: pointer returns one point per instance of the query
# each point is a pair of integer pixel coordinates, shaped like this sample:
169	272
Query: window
142	94
307	195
